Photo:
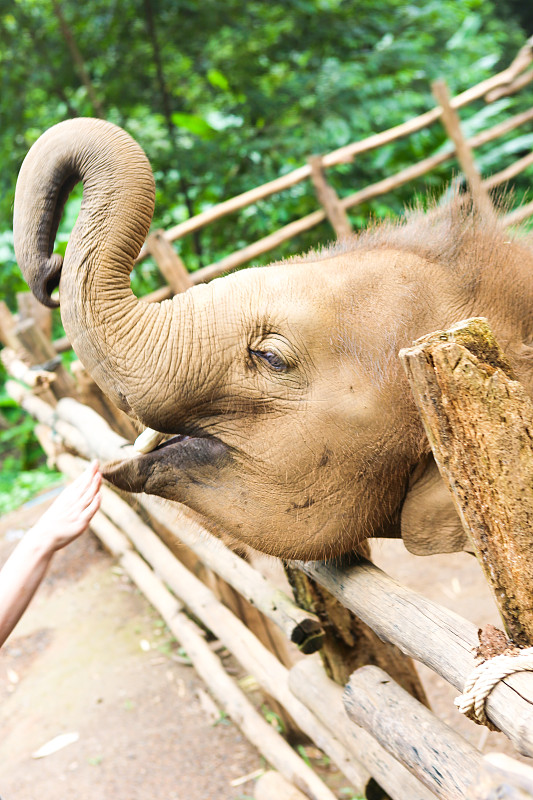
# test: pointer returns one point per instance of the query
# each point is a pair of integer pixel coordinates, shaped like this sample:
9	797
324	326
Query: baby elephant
293	428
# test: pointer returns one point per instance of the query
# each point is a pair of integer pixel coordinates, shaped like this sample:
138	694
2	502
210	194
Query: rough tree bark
479	421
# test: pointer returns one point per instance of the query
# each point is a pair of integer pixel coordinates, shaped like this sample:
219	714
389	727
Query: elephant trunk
117	337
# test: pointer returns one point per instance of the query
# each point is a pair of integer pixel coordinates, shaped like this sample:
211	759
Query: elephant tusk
148	440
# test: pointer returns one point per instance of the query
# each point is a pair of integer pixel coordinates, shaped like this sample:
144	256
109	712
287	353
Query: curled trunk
116	336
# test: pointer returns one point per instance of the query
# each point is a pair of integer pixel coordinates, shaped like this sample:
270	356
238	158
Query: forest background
224	95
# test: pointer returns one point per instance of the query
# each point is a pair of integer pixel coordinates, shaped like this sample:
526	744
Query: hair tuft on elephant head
293	427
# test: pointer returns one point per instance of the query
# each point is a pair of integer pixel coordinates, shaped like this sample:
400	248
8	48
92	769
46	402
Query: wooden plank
478	419
328	199
452	124
443	761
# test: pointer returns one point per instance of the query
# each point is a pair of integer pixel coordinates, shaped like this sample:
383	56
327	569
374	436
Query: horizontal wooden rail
246	254
431	634
348	152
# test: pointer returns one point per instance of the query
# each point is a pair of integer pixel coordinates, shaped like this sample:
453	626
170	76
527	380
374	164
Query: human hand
70	514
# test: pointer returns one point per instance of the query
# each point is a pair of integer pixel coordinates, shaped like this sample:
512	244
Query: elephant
289	424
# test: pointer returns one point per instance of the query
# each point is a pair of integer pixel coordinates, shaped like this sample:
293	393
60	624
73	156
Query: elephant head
293	428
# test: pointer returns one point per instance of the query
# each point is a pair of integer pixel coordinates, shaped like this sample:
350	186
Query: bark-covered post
479	422
348	642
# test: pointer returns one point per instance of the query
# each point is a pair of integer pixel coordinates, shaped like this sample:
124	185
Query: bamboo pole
478	419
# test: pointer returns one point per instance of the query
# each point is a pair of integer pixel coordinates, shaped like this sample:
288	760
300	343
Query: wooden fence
374	731
511	80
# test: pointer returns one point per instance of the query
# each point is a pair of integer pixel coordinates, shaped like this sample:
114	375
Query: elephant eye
273	360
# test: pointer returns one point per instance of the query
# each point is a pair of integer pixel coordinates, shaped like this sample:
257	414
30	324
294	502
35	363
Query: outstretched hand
67	518
70	514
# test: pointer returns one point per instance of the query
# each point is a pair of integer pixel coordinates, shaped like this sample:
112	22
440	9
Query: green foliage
224	96
19	455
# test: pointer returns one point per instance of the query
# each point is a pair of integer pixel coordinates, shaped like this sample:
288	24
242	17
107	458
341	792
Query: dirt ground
91	658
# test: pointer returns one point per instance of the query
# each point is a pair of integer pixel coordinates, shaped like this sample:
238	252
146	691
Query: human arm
67	518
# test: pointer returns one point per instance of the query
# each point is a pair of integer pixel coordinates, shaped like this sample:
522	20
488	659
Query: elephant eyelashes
273	360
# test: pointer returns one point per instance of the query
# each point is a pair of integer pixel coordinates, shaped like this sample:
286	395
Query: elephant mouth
171	465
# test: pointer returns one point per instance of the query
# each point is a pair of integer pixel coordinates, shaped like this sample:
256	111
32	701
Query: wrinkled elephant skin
294	427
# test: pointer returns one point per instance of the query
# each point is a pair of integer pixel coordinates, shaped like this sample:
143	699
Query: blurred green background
226	95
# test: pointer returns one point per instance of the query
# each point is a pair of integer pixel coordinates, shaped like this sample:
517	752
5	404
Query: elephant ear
430	523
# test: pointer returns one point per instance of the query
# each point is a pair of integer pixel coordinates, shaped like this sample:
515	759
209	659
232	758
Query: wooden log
299	626
90	394
42	353
388	184
310	684
170	264
423	630
100	440
348	642
328	199
346	153
7	328
30	308
442	760
478	420
432	634
46	414
273	786
452	124
21	372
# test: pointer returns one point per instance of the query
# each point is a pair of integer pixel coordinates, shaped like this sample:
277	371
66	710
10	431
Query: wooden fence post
452	124
42	353
170	264
328	199
479	422
348	642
